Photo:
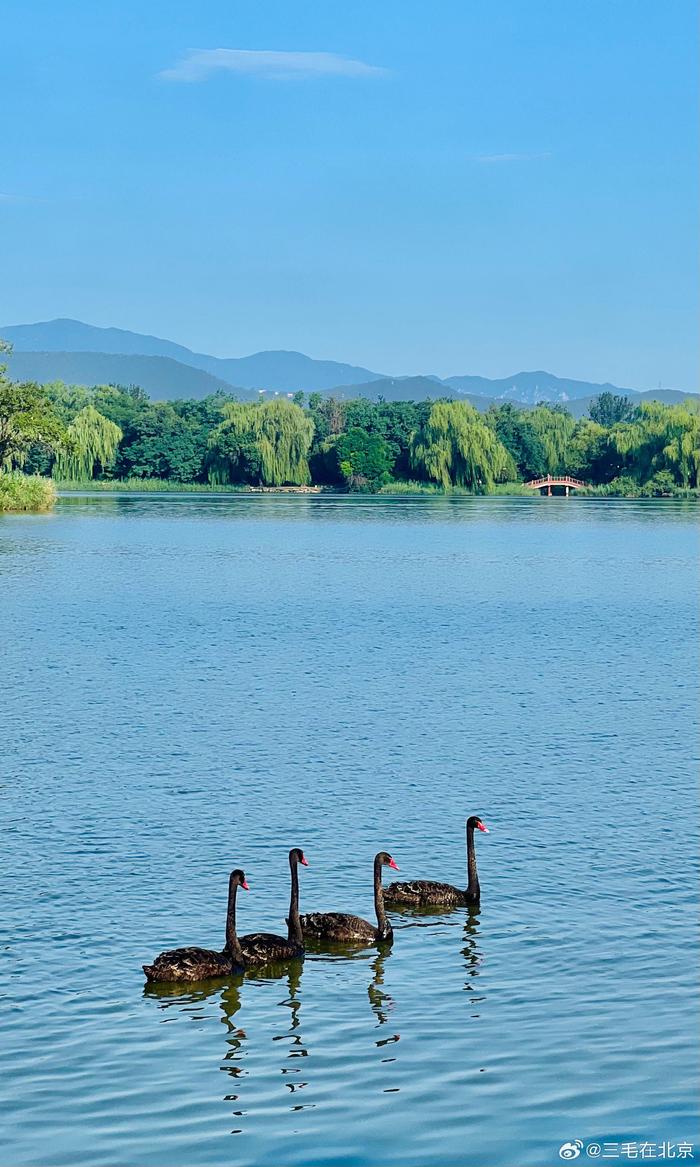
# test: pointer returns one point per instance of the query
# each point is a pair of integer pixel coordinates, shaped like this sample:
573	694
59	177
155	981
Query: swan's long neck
379	898
232	945
472	875
294	933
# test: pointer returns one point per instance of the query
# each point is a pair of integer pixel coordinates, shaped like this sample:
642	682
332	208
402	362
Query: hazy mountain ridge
279	370
84	354
161	377
410	389
425	388
529	388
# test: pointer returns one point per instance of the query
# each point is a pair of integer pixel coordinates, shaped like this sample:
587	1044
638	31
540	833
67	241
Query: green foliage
93	441
412	487
113	432
661	437
591	455
27	418
267	442
516	432
327	415
234	454
431	488
395	421
68	400
662	485
122	406
624	486
161	444
456	447
323	463
283	434
363	459
511	488
149	485
554	428
25	492
609	409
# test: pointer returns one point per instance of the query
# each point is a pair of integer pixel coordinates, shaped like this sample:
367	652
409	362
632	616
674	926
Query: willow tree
92	442
554	427
267	442
590	454
233	454
284	441
662	437
456	447
682	450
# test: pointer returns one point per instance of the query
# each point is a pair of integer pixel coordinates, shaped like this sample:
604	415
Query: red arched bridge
544	485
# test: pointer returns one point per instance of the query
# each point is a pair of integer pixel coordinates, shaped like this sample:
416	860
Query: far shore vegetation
115	438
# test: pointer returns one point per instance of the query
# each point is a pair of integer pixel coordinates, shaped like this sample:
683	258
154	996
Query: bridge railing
556	480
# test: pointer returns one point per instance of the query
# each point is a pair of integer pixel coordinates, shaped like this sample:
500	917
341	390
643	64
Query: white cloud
533	157
199	64
7	197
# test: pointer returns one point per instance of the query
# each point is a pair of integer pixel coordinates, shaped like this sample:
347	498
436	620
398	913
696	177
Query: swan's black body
340	927
197	964
263	947
424	892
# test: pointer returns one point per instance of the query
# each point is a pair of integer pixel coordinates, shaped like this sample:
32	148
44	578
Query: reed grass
418	488
26	492
146	486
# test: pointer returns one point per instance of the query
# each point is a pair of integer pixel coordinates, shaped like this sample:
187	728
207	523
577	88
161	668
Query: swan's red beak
304	861
483	828
244	885
395	865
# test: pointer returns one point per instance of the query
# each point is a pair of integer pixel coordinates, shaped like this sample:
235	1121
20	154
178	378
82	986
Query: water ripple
201	682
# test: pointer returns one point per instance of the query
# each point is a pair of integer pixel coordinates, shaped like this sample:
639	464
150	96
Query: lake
195	683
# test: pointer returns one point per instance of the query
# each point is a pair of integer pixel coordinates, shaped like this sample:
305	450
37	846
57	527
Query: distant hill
161	377
580	407
394	389
72	351
429	388
282	371
410	389
286	372
72	336
529	388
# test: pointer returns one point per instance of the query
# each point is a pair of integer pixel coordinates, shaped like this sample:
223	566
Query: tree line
77	434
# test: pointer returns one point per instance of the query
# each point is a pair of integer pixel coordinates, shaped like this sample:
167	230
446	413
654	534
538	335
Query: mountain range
281	372
78	353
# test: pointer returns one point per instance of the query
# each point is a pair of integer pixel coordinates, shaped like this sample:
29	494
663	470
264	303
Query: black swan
264	947
342	926
196	964
423	892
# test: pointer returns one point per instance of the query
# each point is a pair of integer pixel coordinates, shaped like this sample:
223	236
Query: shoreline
148	488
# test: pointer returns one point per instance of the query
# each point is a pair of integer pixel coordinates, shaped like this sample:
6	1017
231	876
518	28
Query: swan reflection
230	1003
186	996
381	1002
471	952
242	1054
297	1048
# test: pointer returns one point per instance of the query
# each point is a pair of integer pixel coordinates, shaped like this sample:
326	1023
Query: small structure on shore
544	485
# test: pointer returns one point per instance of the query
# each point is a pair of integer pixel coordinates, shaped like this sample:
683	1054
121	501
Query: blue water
193	683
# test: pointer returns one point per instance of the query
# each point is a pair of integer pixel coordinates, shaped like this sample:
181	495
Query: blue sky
476	186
